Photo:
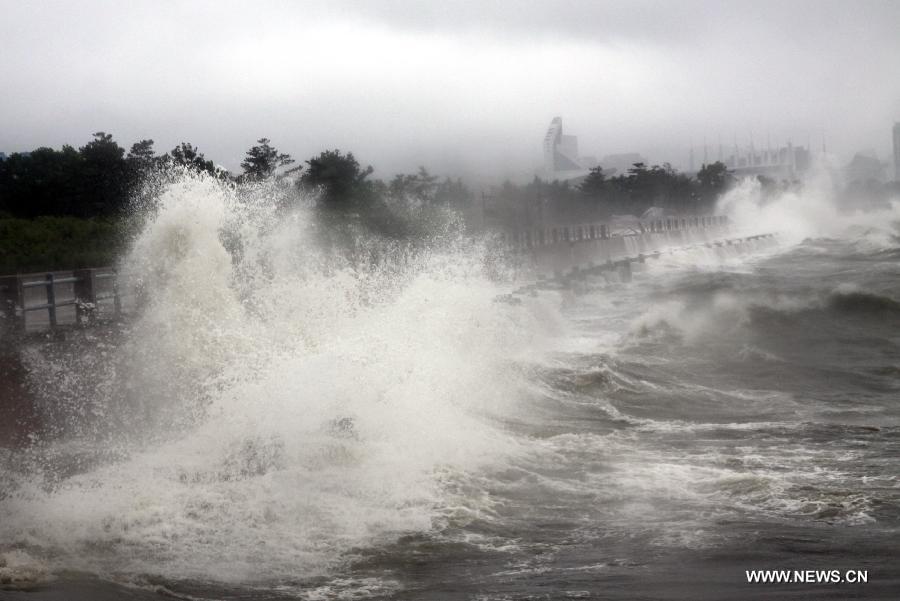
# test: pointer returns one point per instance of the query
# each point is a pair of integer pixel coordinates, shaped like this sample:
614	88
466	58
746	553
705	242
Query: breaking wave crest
276	404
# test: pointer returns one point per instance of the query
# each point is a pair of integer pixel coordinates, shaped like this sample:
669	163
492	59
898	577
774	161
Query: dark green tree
453	193
338	178
142	156
660	186
143	164
188	156
420	186
714	177
104	176
42	182
713	180
262	161
594	184
141	161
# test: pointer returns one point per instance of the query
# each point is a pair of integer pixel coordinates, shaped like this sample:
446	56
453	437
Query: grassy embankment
58	243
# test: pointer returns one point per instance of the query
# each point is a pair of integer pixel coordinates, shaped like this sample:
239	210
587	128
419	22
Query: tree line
599	196
70	208
100	178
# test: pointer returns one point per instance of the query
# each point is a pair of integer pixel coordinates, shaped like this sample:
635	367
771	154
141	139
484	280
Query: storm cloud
465	88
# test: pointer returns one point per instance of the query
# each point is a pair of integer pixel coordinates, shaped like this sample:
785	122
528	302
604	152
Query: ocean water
279	424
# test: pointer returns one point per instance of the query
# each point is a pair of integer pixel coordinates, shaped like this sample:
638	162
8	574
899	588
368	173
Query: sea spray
278	407
807	209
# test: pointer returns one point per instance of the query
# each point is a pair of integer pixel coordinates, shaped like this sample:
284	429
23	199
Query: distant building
864	168
787	162
561	158
897	152
2	156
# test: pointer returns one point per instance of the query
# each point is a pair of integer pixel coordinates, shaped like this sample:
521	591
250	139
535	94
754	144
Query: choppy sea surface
331	433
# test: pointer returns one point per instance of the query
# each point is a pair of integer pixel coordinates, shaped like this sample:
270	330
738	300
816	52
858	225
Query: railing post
11	298
9	295
117	298
85	295
51	300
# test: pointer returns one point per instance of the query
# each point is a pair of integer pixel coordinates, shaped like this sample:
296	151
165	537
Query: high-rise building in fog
561	151
897	152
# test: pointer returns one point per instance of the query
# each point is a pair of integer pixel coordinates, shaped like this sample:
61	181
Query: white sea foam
291	407
276	406
810	212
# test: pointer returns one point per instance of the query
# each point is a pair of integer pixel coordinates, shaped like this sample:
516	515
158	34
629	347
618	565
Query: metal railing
86	293
547	236
86	296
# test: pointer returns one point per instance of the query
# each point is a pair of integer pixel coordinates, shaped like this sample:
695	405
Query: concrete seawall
34	303
564	257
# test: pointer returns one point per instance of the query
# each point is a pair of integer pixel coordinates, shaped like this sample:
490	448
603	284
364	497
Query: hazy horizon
463	89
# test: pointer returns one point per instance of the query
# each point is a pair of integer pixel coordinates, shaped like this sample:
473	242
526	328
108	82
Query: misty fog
464	88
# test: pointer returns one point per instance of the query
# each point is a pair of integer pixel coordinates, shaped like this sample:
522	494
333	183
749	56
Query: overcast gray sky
460	87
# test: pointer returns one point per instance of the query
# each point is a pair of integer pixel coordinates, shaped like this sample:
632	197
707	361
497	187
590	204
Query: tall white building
561	151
